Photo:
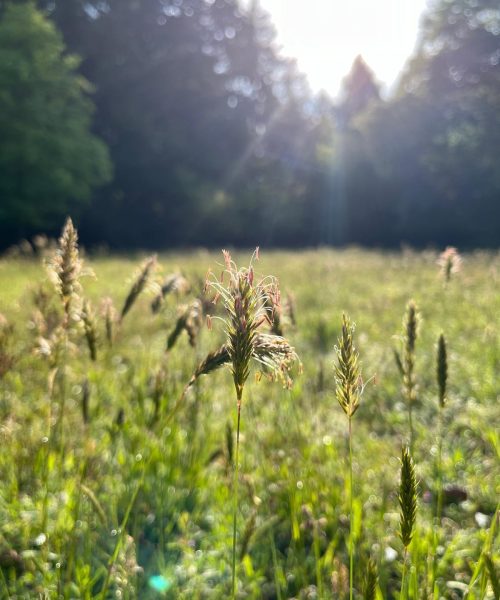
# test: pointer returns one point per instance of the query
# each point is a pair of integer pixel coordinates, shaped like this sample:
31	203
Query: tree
356	198
359	90
49	160
437	140
197	108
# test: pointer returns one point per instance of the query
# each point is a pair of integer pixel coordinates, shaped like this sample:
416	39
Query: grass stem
121	534
235	498
439	502
351	540
402	593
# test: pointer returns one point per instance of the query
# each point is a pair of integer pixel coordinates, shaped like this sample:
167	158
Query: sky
325	36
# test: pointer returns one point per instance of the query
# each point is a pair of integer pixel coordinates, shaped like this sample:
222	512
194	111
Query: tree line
161	123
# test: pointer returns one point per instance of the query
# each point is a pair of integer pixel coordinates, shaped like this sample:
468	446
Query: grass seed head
276	355
371	581
108	311
272	303
272	352
88	319
290	309
85	401
212	362
138	285
407	497
244	301
410	325
66	266
190	320
173	283
347	370
442	369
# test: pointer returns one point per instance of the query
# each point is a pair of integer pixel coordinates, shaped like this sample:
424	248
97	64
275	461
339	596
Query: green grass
64	523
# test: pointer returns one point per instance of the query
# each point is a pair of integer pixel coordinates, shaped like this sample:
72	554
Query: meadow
117	482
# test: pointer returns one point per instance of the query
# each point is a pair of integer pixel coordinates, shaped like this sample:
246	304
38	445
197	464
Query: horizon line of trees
164	123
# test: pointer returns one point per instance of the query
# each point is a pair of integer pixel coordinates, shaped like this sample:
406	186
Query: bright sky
325	36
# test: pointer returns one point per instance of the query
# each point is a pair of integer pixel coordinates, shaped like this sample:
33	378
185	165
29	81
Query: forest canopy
160	123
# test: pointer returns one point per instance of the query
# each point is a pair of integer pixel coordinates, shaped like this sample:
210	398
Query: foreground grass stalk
65	271
245	306
442	377
348	391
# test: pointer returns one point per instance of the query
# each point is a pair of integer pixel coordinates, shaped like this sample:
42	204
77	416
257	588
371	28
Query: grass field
111	487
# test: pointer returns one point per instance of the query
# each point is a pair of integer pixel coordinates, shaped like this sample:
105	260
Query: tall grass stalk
442	377
244	302
65	270
348	390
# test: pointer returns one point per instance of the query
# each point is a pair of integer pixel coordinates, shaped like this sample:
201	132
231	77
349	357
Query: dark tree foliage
192	100
49	162
438	140
216	139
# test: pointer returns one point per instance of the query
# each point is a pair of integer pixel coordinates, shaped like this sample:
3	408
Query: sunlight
326	35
